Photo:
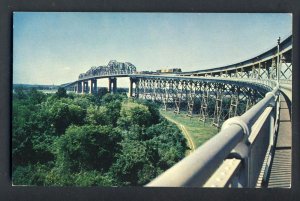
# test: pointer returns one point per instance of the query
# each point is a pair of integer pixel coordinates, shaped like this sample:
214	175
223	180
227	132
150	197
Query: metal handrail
195	169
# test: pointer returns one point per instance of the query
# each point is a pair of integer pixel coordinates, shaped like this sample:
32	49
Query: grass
196	130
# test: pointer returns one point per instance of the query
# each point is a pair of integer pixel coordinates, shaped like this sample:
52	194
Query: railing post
278	67
272	126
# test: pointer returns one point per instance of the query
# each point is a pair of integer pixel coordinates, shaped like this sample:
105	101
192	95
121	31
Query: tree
87	147
61	93
30	174
102	91
36	97
153	109
32	133
130	162
63	115
19	93
98	115
87	140
167	145
94	178
133	113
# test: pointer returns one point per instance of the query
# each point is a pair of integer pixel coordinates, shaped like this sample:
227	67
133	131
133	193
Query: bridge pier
93	86
75	88
131	89
85	87
131	81
79	87
112	85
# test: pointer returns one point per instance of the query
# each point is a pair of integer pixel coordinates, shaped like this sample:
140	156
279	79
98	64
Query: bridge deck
280	175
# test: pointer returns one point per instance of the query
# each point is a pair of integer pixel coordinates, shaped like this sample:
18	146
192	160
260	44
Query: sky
55	47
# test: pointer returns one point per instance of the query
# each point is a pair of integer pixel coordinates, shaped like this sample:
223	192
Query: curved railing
236	155
229	157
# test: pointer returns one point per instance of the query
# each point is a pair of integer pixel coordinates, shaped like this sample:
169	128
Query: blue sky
54	48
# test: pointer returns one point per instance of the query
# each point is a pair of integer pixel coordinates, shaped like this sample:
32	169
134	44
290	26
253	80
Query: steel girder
215	100
112	68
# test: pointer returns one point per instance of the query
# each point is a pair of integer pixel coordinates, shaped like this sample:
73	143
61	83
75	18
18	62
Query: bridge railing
266	82
86	77
230	156
250	157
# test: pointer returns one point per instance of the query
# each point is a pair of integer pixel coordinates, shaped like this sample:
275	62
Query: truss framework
216	101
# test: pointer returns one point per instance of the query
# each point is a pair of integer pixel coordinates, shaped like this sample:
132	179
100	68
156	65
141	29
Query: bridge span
250	102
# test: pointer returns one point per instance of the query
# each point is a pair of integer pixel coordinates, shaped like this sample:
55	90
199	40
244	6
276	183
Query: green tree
85	140
166	144
130	162
87	147
20	93
61	93
63	115
98	115
102	91
153	109
94	178
36	97
133	113
31	131
30	174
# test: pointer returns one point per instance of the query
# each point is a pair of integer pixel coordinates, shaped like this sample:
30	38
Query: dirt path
184	131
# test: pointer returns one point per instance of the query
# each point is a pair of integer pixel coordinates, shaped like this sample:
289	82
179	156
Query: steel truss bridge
250	102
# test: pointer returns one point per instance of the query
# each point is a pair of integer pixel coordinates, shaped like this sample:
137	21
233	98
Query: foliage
134	114
87	147
89	140
30	174
61	93
198	131
102	91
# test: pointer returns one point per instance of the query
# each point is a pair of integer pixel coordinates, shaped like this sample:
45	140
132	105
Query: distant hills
36	86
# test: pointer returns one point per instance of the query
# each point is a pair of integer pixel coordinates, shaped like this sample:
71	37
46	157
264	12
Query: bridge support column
85	87
115	85
131	87
79	87
112	85
90	83
137	88
94	86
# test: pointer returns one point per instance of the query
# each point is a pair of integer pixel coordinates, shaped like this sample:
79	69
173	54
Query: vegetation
198	132
85	140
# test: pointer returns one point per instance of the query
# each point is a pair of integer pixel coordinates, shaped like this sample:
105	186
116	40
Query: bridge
250	102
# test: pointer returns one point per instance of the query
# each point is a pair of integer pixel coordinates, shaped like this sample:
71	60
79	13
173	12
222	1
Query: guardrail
230	156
